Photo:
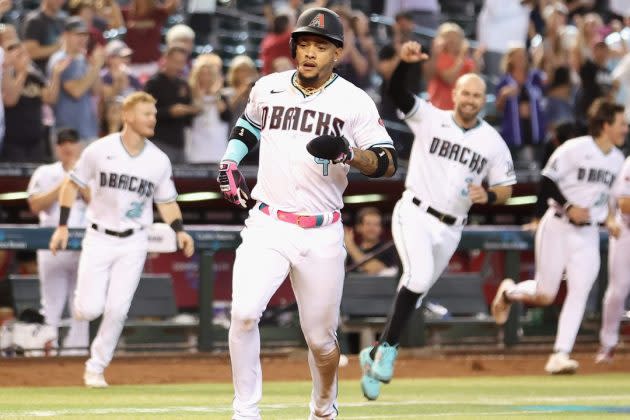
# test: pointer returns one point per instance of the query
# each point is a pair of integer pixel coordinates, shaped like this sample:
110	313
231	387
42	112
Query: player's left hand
334	148
59	239
613	228
186	243
477	194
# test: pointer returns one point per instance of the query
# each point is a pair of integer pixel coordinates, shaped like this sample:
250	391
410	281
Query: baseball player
128	173
576	182
58	274
294	227
618	268
452	154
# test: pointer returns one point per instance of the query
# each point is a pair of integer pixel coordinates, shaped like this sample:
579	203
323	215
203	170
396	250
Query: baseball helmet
318	21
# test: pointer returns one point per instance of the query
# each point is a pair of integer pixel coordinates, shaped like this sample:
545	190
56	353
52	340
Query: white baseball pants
314	259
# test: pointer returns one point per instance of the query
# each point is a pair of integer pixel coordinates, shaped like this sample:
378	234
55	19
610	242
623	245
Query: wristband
64	214
492	197
177	225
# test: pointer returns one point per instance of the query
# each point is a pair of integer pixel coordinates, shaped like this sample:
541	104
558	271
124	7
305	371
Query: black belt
582	224
444	218
123	234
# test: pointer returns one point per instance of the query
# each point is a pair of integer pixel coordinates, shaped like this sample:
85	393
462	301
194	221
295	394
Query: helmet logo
318	21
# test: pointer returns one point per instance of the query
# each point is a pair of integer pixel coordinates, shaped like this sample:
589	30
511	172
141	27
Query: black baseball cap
76	24
67	134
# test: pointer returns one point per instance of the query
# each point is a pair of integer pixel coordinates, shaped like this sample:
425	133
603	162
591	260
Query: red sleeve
444	62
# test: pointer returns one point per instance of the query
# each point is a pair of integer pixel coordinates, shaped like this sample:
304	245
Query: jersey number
136	209
324	163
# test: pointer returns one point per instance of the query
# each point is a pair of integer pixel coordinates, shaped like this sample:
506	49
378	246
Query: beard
467	116
307	81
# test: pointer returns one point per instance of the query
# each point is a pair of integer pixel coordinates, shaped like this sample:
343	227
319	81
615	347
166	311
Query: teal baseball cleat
383	364
370	386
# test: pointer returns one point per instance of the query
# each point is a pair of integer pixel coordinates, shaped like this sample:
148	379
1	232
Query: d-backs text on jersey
457	153
298	119
127	182
594	175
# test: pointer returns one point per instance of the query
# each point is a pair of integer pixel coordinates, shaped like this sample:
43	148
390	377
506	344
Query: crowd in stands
68	63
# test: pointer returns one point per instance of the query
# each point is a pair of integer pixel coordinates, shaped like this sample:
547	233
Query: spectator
501	23
425	13
553	51
144	20
519	99
621	76
24	91
275	44
174	104
596	79
42	30
112	121
590	29
451	61
241	76
116	76
209	131
80	81
369	227
361	28
58	274
352	65
181	36
557	105
86	10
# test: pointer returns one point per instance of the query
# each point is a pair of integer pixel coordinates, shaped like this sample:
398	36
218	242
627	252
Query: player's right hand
411	52
579	214
232	183
59	239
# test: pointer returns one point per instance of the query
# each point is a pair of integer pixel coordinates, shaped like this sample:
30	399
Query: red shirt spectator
440	90
276	43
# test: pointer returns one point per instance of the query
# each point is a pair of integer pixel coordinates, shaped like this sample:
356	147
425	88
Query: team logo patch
318	21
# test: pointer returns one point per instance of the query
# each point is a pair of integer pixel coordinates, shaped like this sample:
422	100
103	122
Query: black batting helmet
318	21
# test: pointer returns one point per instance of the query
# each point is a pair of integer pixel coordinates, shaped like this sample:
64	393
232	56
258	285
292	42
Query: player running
127	174
578	180
452	154
618	268
294	228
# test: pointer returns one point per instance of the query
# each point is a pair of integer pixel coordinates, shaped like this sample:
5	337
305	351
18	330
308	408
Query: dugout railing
510	240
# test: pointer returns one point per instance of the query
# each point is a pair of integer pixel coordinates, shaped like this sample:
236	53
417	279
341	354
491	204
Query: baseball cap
117	48
76	24
67	134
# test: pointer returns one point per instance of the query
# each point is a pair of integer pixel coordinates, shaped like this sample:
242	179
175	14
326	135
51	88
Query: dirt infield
196	368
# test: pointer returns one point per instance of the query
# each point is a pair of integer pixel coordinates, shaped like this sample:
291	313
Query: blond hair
204	60
136	98
449	27
236	63
506	61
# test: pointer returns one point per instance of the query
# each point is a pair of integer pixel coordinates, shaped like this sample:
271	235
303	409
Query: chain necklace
308	91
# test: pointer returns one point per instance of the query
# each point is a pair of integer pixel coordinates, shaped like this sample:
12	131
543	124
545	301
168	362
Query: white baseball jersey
445	159
584	174
46	178
621	188
289	178
124	186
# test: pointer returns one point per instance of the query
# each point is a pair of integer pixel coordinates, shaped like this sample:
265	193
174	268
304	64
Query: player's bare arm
367	161
39	202
493	195
611	222
172	215
624	205
67	196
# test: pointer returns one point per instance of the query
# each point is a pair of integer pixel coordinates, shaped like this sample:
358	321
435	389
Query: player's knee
86	314
244	320
546	299
320	342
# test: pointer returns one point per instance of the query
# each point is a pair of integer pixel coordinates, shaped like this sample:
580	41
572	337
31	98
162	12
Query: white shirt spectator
501	23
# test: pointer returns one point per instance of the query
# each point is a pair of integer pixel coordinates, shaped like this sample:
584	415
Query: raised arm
410	52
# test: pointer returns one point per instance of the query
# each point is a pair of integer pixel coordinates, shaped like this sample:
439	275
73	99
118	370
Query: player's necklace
308	91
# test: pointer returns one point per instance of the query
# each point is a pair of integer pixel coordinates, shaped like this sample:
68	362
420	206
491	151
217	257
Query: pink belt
303	221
